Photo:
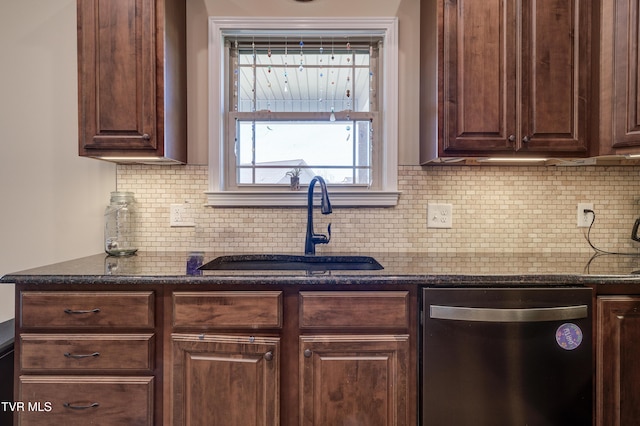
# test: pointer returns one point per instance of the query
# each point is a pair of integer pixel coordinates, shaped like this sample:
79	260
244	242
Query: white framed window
310	96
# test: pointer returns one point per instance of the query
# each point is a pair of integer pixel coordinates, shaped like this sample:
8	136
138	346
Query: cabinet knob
269	356
307	353
512	138
146	136
526	139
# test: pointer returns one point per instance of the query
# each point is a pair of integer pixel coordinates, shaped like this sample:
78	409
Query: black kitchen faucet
325	208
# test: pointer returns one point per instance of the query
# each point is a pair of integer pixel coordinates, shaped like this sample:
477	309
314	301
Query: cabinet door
618	370
620	72
116	75
225	380
478	76
354	380
555	76
515	77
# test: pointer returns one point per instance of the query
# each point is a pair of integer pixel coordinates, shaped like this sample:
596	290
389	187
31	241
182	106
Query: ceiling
304	80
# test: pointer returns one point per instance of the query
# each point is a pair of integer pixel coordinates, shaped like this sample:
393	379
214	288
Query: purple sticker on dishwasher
569	336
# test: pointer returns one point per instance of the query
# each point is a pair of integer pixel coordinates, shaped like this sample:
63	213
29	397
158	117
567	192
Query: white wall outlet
179	215
584	219
439	215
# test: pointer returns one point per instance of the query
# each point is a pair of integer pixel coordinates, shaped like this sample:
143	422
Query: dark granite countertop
543	268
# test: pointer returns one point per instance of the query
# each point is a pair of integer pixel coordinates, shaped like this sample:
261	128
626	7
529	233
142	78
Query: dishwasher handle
459	313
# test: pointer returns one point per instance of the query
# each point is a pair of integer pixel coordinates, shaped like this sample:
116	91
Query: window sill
299	198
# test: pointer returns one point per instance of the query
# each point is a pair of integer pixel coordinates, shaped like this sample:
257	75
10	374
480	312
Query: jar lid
121	197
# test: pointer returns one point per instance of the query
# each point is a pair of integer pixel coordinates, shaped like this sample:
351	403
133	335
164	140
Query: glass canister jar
119	224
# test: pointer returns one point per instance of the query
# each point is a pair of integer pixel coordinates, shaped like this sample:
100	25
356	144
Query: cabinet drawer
354	309
227	309
86	352
86	400
86	309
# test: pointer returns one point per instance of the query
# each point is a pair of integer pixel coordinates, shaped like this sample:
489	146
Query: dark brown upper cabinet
505	78
132	80
619	119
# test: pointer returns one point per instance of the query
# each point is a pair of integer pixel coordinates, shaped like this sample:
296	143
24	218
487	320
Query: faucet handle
321	238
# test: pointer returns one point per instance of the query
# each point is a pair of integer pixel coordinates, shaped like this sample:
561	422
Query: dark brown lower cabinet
354	380
618	353
86	357
86	400
225	380
214	354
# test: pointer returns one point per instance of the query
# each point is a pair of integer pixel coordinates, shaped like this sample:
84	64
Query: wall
495	209
52	200
407	12
513	209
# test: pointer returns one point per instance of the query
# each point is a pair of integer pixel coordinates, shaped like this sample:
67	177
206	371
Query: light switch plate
439	215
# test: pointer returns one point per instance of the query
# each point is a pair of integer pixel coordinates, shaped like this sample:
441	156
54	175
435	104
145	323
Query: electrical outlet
179	215
439	215
584	219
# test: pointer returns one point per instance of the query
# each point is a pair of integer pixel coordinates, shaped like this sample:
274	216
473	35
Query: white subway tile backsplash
496	208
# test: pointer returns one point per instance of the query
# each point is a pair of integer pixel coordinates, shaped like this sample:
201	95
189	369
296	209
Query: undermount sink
272	262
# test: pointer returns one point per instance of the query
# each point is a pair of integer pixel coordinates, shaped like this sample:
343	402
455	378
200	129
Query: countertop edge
435	269
434	280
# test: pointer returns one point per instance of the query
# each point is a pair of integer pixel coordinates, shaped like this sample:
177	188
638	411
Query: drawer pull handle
80	407
72	312
78	356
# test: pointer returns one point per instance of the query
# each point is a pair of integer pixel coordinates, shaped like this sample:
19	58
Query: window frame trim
219	194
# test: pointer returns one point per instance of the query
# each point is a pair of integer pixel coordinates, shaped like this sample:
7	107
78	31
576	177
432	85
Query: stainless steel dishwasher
506	356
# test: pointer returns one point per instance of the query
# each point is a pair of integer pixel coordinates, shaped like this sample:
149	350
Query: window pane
308	82
339	151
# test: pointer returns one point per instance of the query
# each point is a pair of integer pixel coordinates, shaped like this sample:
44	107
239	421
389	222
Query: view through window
306	106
